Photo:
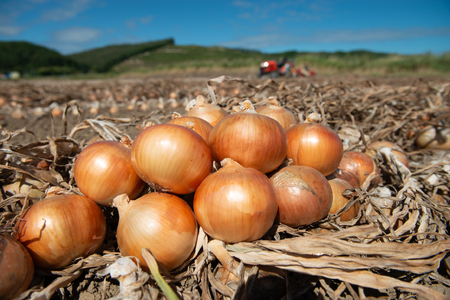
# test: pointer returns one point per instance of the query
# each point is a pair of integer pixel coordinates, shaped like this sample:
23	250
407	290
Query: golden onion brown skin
314	145
252	140
202	127
58	229
304	195
171	157
235	203
338	186
16	267
278	113
103	171
356	166
163	223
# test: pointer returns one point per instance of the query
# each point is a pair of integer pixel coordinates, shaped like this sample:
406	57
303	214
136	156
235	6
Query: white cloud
77	35
69	11
146	20
130	24
10	30
244	4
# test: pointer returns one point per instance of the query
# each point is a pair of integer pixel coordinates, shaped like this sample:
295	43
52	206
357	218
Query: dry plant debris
396	248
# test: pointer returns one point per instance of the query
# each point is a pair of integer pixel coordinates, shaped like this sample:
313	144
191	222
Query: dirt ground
34	112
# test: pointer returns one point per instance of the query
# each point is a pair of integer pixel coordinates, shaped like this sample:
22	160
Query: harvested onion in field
304	195
314	145
163	223
338	186
396	150
251	139
275	111
211	113
58	229
16	267
171	158
235	203
355	167
202	127
434	138
103	171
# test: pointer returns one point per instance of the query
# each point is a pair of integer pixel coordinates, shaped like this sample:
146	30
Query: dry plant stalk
401	227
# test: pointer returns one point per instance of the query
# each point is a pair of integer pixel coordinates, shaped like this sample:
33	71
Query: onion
16	267
211	113
103	171
202	127
396	150
304	195
355	167
163	223
58	229
235	203
432	138
338	186
275	111
251	139
314	145
171	158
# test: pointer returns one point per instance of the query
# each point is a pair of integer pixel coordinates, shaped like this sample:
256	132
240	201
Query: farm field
395	248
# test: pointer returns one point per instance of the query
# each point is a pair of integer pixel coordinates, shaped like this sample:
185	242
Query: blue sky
394	26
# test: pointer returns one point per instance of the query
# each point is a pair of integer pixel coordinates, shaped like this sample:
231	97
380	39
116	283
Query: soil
34	111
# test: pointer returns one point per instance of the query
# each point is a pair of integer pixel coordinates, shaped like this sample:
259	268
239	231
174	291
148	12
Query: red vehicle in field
274	69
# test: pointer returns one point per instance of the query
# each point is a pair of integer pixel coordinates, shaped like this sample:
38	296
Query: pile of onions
338	186
235	203
253	140
432	138
58	229
314	145
304	195
202	127
103	171
16	267
212	113
355	167
396	150
171	158
275	111
163	223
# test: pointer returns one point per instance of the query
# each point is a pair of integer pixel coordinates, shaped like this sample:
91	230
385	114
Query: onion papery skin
396	150
58	229
211	113
172	157
428	138
103	171
314	145
304	195
163	223
16	267
235	204
253	140
338	186
357	165
278	113
202	127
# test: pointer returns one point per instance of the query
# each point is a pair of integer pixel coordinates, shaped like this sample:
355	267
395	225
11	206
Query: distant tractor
274	69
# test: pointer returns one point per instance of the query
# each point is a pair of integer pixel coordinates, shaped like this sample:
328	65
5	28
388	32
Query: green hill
162	55
29	58
102	59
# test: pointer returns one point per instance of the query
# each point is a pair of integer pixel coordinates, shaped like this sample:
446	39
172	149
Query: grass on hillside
173	57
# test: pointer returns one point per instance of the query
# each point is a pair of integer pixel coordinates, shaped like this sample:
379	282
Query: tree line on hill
31	59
